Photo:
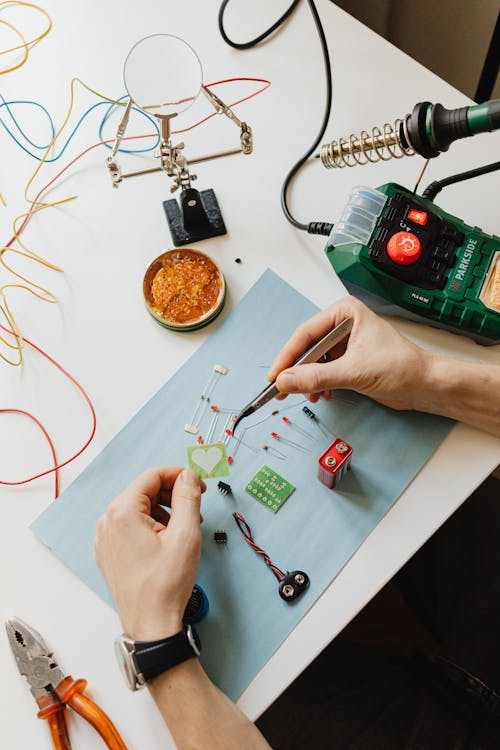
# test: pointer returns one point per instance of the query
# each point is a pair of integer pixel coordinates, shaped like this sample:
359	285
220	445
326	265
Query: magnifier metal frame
172	160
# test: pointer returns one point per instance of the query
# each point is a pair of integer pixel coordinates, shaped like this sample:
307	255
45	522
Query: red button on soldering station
404	248
418	217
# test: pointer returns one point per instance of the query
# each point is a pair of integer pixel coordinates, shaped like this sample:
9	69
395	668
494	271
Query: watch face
123	650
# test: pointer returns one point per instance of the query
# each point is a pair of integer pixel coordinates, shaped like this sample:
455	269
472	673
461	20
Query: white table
122	357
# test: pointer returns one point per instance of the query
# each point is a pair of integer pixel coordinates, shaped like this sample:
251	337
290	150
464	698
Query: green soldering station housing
402	254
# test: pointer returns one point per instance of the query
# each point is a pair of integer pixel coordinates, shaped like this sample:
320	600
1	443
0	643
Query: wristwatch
140	661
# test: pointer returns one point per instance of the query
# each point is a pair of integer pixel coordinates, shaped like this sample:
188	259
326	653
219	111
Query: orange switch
404	248
418	217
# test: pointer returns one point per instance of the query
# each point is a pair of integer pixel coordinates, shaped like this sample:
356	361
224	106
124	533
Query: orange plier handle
69	692
52	710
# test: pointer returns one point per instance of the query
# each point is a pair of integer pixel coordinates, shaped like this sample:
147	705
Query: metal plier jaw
34	659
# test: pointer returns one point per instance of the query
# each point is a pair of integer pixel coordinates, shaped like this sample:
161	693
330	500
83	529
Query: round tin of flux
184	289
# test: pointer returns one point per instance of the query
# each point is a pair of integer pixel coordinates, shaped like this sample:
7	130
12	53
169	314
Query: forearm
466	391
199	715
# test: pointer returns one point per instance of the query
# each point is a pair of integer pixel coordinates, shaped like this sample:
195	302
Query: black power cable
435	187
261	37
313	227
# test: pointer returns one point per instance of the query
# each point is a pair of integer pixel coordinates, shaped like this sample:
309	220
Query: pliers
53	691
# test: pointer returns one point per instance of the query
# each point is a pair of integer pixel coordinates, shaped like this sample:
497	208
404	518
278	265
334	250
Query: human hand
148	557
375	360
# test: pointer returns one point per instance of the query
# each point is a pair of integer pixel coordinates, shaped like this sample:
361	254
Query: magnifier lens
162	74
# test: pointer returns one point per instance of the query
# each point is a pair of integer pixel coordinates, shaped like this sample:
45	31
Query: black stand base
197	218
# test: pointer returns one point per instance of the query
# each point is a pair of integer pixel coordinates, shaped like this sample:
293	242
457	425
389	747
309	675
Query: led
306	434
289	442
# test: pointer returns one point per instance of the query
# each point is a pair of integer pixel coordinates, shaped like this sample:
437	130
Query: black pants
419	668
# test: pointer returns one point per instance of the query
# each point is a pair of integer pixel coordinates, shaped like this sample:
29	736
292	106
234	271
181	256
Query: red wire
85	396
135	137
233	104
247	533
49	440
23	225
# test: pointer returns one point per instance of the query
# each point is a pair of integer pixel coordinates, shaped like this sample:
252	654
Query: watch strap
152	658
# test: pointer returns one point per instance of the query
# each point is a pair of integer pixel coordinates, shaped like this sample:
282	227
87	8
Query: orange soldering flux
334	462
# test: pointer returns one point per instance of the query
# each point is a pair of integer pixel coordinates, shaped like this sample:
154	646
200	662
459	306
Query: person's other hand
149	557
375	360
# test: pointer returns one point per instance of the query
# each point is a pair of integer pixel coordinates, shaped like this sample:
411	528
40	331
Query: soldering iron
394	249
429	130
399	252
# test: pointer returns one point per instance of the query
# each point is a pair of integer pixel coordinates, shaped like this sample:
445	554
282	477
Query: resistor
274	452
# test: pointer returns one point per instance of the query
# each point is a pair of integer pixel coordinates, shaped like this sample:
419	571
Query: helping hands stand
198	217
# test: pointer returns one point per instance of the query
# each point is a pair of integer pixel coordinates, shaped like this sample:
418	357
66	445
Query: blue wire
73	132
36	104
134	109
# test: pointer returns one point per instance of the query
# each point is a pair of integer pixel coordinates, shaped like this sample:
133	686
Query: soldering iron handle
431	128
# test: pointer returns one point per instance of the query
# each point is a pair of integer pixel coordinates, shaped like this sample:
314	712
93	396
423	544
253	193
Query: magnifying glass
163	75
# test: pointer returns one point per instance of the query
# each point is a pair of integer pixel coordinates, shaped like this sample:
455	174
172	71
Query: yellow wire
13	327
31	42
33	288
33	210
49	297
21	46
101	96
30	286
25	45
12	322
51	144
39	205
63	125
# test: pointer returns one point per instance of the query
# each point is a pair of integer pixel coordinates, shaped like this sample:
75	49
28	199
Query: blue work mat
317	530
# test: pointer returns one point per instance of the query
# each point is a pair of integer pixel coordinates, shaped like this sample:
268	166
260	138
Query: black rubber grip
494	114
449	125
417	134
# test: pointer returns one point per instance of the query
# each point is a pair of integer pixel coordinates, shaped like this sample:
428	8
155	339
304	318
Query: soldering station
399	252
